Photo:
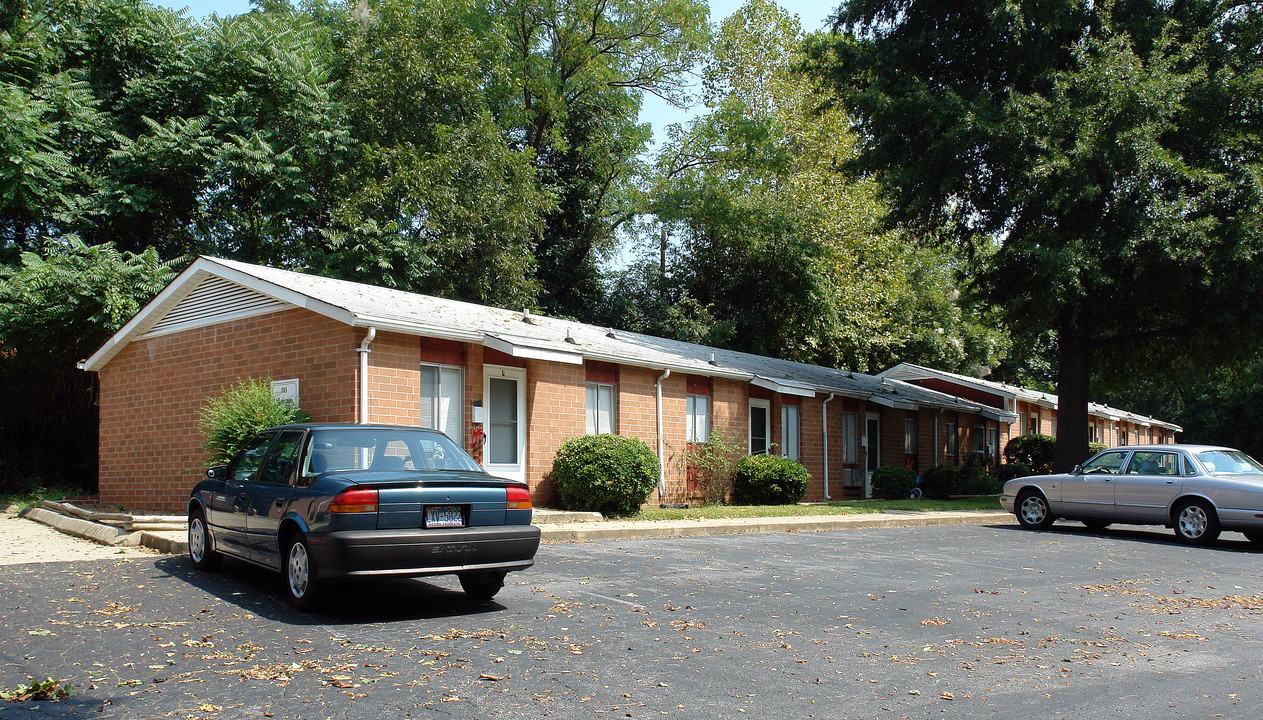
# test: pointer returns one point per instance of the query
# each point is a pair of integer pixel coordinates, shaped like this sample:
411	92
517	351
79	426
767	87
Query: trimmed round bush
939	482
769	480
1094	448
893	483
1034	450
609	474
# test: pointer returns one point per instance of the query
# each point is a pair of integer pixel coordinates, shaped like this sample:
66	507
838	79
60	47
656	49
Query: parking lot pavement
966	621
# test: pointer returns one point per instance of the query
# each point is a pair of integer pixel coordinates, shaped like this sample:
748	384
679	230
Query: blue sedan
329	502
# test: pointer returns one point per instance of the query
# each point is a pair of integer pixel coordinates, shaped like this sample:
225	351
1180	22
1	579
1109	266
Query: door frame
872	449
517	470
767	429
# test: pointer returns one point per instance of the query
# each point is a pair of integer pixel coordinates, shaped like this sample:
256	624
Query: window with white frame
980	438
442	400
909	436
1032	425
849	451
995	441
951	438
600	409
790	422
698	418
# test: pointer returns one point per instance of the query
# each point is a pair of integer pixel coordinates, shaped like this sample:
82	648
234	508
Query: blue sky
810	14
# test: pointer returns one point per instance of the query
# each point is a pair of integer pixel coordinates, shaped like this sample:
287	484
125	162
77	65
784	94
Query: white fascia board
405	328
896	404
782	387
531	353
673	367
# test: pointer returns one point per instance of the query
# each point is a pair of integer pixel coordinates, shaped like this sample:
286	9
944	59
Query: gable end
215	300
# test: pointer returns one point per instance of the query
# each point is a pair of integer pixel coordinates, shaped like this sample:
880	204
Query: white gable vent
215	300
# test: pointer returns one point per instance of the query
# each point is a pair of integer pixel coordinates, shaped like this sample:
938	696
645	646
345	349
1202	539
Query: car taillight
354	500
519	498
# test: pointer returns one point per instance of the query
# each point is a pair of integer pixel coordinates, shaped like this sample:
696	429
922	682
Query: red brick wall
555	403
150	445
394	380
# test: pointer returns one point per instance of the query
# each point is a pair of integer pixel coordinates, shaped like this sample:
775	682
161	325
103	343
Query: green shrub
940	482
893	483
609	474
1008	471
980	484
1034	450
769	480
1094	448
240	412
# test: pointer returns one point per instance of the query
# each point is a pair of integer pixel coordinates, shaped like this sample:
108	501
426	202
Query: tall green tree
577	70
1102	156
57	306
789	256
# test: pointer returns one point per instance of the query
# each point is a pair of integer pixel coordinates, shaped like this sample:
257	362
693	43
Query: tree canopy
1099	160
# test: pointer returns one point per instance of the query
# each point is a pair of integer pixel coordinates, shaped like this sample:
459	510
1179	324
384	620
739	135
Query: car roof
351	426
1169	446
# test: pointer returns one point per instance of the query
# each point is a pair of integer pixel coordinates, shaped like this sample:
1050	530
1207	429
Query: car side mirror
217	472
1078	470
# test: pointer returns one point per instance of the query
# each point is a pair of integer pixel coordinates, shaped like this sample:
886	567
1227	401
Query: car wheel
300	573
201	553
1096	524
482	585
1254	536
1196	522
1033	512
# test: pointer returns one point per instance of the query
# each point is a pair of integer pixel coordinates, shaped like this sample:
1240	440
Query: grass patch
32	497
855	507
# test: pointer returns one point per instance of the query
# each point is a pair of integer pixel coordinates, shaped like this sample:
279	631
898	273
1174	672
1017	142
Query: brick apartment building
508	385
1037	411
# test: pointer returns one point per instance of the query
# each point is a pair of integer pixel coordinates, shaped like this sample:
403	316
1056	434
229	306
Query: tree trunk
1073	376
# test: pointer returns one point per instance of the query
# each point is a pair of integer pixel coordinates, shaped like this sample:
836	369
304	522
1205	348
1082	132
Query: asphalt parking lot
967	621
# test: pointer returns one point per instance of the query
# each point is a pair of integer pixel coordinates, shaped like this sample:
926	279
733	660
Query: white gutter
824	420
364	351
662	465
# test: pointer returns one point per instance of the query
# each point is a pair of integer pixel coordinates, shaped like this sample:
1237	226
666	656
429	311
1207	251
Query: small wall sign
286	390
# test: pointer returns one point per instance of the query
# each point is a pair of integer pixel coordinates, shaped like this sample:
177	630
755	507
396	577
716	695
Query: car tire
299	573
202	554
1254	536
1096	525
1195	522
1033	512
481	585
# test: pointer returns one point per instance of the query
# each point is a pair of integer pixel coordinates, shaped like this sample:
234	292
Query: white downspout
824	420
364	351
662	465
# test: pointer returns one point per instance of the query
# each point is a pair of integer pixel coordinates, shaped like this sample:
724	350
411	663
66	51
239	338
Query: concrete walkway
557	526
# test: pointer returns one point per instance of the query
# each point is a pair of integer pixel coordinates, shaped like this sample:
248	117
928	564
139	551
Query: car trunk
438	500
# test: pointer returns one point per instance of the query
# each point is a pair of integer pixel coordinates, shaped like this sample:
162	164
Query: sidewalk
559	526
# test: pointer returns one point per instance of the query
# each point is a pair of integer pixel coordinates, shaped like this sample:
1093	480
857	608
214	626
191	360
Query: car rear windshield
1228	462
384	449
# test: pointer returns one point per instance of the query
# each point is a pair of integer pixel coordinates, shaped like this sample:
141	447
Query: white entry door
505	391
872	456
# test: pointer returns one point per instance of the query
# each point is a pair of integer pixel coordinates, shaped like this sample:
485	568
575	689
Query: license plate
444	516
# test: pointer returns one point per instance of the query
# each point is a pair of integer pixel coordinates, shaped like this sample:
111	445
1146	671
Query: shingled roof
214	290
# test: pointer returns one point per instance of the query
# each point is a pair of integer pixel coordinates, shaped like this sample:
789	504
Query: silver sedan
1198	490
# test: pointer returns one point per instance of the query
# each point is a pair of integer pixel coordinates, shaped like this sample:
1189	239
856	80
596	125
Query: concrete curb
176	542
171	543
615	530
103	534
